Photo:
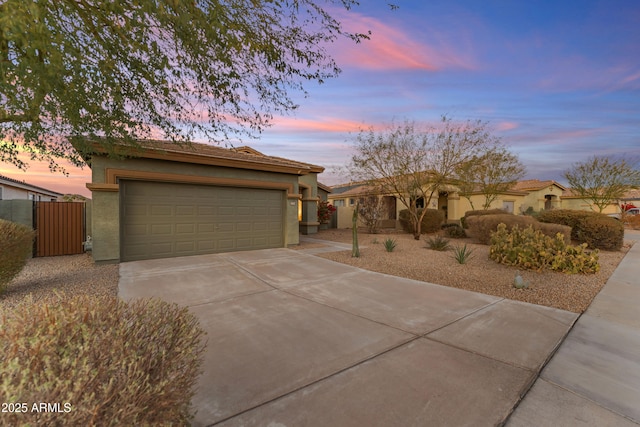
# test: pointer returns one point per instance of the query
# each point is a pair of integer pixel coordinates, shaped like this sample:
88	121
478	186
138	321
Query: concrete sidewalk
298	340
594	378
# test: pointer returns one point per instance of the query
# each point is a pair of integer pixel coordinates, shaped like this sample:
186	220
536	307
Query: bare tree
490	174
371	211
602	180
413	162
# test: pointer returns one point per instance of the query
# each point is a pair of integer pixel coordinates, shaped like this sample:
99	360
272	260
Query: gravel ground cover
412	259
50	278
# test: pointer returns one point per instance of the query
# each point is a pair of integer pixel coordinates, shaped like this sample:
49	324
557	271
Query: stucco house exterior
447	199
540	195
13	189
166	200
524	197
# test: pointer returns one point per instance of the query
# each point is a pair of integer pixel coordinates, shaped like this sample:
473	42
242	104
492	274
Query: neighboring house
540	195
447	199
164	200
526	196
323	191
570	200
13	189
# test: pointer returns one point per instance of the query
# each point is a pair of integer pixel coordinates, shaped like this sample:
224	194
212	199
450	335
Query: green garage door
160	220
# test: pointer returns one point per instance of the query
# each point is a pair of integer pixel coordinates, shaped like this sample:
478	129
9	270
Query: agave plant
438	243
390	244
462	254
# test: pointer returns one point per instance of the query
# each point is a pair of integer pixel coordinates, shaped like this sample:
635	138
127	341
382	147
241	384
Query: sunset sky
558	81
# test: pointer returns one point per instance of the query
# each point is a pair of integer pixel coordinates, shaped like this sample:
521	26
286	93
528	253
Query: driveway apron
298	340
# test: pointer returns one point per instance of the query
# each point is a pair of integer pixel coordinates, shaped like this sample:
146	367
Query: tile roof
243	157
535	184
24	185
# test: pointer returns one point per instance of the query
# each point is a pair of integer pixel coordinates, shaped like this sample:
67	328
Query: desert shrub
431	222
595	229
16	244
552	230
371	211
438	243
481	226
633	221
531	249
482	212
114	363
455	231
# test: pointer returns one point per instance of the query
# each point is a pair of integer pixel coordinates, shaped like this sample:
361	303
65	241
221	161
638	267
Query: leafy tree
414	163
490	174
122	70
602	180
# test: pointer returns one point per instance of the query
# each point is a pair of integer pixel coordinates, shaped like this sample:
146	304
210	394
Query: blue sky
558	81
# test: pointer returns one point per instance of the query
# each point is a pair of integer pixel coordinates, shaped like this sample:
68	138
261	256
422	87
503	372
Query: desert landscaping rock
412	259
51	278
56	277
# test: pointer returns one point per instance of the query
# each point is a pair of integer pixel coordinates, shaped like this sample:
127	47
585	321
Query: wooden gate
60	228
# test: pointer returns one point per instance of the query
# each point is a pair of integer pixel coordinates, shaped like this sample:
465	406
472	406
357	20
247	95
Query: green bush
597	230
482	212
431	222
482	226
105	361
16	242
531	249
455	231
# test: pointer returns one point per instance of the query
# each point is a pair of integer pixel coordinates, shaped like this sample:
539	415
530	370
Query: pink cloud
505	126
321	124
392	48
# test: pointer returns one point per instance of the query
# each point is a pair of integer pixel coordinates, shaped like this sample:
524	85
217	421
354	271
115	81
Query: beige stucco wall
585	205
105	223
536	199
456	205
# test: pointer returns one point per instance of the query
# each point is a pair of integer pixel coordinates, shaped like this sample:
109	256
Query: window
338	203
0	193
352	202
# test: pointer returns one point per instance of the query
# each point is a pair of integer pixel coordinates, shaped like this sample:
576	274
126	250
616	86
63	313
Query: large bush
431	222
531	249
16	244
106	362
595	229
482	212
482	226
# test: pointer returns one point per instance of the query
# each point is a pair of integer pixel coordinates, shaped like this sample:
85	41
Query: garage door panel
166	219
203	210
185	228
206	228
189	210
161	230
185	247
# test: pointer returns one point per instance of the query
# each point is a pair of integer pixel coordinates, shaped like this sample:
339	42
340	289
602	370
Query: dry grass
412	259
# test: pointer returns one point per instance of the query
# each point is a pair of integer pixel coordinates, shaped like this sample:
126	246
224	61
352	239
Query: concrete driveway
297	340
